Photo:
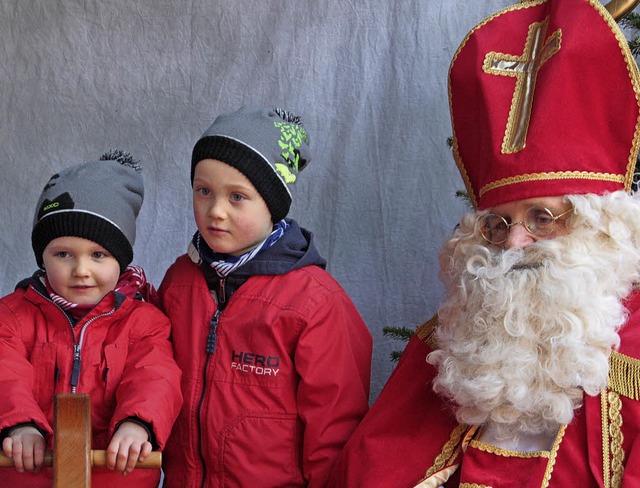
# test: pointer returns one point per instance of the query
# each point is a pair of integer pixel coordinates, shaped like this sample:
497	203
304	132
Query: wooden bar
72	441
98	460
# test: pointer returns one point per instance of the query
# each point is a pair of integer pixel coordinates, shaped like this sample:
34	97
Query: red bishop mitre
544	100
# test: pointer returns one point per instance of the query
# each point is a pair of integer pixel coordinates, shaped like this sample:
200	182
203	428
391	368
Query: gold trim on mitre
634	76
555	175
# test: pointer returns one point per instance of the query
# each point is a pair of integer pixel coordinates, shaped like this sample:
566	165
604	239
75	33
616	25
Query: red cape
410	434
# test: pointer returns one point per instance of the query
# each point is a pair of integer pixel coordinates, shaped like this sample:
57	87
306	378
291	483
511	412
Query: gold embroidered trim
606	465
527	4
552	457
482	446
461	169
616	437
425	331
612	439
555	175
624	375
473	485
634	75
449	451
439	478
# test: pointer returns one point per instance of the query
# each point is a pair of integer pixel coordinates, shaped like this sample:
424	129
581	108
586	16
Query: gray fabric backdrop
368	76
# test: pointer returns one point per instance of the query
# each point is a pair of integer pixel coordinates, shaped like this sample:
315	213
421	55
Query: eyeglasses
538	221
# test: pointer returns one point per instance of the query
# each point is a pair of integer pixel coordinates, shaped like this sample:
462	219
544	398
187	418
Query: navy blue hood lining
294	250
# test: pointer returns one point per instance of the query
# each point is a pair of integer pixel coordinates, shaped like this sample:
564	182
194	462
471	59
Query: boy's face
79	270
231	215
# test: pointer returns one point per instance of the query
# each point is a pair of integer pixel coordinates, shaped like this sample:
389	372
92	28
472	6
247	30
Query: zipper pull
75	373
212	338
222	294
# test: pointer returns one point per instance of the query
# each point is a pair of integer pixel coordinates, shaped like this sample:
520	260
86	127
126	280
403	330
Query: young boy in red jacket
275	357
79	325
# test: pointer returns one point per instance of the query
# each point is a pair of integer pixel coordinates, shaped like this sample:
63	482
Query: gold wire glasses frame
538	221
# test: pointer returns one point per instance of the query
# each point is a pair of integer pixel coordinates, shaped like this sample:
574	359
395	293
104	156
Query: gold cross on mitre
538	49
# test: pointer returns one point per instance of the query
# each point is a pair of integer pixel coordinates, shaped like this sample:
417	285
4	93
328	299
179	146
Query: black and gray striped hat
269	146
97	200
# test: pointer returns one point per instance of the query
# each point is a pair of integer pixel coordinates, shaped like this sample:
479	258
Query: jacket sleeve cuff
6	432
147	426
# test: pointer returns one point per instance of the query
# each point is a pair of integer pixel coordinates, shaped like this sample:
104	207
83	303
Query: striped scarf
131	282
225	264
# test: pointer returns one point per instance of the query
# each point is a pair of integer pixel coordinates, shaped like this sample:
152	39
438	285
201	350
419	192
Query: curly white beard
524	332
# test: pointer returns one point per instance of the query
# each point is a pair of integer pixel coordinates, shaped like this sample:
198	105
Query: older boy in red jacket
275	356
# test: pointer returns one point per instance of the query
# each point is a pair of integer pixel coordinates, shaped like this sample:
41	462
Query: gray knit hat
269	146
97	200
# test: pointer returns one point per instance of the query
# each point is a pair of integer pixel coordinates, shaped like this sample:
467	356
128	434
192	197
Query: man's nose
518	237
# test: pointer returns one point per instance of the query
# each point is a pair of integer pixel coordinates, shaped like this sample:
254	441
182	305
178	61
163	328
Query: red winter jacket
126	366
284	387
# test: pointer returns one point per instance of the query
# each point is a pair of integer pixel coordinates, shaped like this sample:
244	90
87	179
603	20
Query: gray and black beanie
269	146
97	200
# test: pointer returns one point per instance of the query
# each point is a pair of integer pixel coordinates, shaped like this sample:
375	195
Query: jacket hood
295	249
34	280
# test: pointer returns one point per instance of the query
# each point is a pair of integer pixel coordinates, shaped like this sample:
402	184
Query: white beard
523	333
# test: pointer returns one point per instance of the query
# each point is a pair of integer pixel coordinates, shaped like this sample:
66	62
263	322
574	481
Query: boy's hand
25	445
129	444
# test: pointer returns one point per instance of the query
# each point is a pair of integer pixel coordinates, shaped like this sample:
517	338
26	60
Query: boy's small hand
129	444
25	445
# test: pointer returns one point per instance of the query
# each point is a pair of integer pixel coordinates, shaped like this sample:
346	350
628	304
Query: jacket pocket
43	361
111	370
262	450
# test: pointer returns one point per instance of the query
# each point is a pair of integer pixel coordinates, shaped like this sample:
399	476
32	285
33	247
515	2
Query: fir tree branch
398	333
631	20
395	356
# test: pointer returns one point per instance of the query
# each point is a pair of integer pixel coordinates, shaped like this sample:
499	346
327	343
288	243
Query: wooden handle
153	461
7	462
98	460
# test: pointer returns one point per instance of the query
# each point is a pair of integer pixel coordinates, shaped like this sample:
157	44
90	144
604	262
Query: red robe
410	438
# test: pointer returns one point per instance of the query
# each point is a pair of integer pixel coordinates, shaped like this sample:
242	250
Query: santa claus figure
529	374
